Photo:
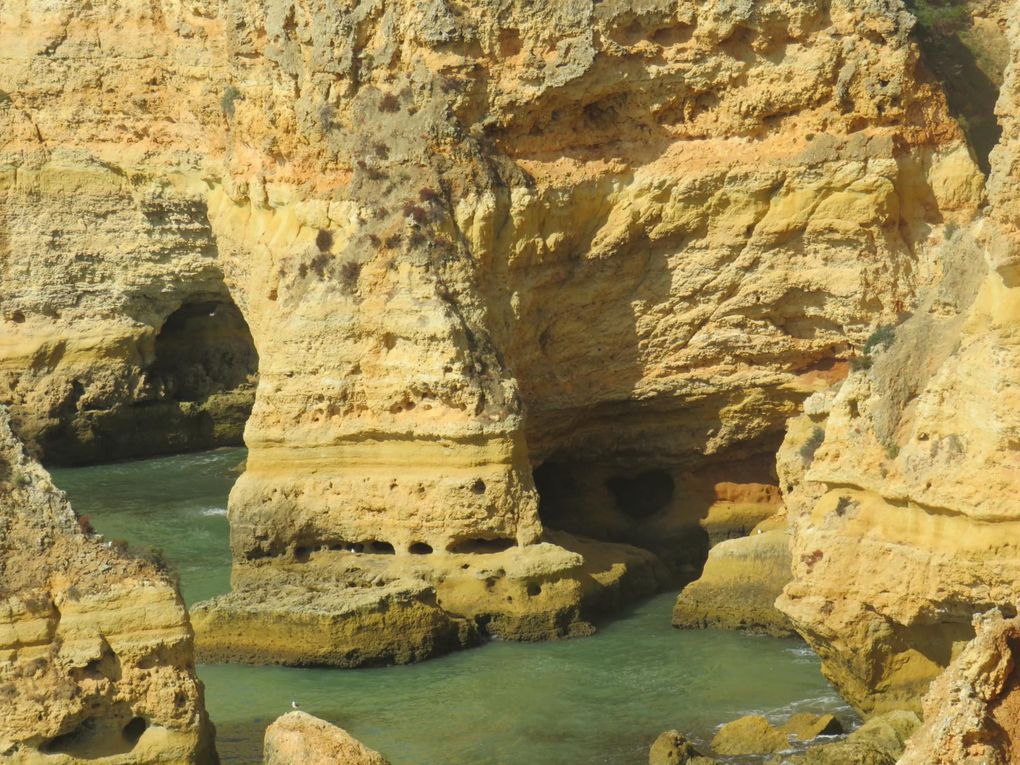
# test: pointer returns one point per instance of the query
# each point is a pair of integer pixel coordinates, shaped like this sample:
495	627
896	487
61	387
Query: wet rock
880	741
806	726
672	748
298	738
752	734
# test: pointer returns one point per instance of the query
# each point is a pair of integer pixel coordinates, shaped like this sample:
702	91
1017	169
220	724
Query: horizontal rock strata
96	652
916	529
508	269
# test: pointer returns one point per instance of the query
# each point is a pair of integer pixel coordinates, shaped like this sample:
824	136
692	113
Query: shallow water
594	700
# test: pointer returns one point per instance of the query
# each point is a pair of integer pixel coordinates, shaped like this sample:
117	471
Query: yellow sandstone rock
505	271
96	652
297	738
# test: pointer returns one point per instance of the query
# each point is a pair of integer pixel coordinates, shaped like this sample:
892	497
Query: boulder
298	738
752	734
673	748
806	726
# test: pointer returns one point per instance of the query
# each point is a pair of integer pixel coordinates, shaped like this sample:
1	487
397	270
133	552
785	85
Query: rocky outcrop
972	711
916	529
879	741
507	269
96	652
755	735
672	748
740	583
118	335
743	577
297	738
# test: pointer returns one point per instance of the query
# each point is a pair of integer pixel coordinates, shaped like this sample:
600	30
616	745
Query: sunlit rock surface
96	652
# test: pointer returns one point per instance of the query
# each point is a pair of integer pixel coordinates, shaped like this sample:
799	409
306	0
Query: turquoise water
574	702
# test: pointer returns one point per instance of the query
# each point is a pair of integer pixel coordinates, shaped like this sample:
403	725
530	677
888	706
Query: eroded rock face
470	242
972	711
96	652
917	528
107	258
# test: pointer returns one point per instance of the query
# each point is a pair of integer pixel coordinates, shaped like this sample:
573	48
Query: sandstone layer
297	738
972	711
917	528
96	652
508	269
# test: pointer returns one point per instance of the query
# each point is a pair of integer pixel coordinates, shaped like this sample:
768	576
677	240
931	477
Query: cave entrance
204	348
675	511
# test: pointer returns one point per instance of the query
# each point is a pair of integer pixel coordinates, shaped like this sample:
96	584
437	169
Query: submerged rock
972	710
672	748
96	652
298	738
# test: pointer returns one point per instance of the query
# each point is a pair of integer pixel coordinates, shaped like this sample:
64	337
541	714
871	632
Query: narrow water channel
594	700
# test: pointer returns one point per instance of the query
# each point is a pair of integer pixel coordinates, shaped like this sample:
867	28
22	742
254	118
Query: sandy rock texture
879	741
508	269
972	711
118	336
297	738
672	748
740	583
517	269
917	527
96	652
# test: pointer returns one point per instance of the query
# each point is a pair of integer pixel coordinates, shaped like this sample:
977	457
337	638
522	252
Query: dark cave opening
644	494
196	392
203	348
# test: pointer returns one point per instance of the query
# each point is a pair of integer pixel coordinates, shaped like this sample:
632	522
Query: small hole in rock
420	548
379	548
534	589
134	729
478	487
480	545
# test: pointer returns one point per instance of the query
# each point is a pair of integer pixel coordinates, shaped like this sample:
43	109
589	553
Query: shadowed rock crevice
196	389
965	49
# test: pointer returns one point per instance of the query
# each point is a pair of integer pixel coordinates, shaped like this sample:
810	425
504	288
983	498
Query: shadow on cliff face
197	394
675	512
967	56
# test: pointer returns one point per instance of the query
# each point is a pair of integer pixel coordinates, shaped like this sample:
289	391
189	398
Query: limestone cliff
972	711
508	268
96	652
917	528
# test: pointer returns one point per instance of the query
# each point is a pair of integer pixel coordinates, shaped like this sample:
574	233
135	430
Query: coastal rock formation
509	258
740	584
672	748
508	269
118	336
297	738
972	710
917	528
879	741
96	652
743	577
